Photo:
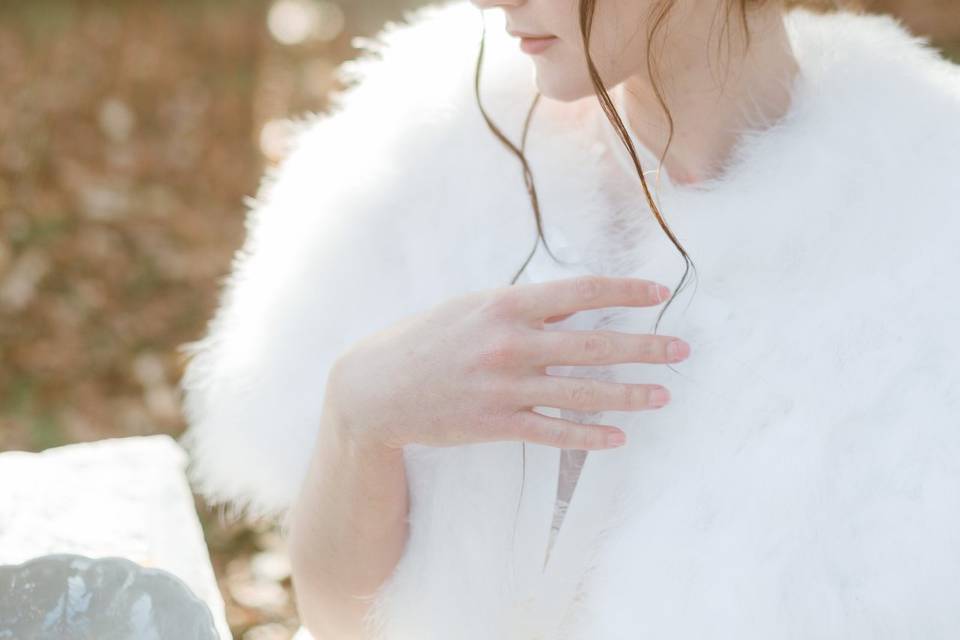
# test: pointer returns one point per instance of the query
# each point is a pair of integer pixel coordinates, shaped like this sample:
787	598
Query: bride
642	327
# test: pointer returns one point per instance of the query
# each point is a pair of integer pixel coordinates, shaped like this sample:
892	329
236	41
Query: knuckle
647	348
501	304
634	396
498	352
526	422
535	427
560	435
593	438
509	342
588	287
597	346
520	424
579	438
492	392
492	424
582	393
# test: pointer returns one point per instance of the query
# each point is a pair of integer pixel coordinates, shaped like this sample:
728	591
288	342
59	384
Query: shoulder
874	115
862	167
848	54
406	117
844	34
353	231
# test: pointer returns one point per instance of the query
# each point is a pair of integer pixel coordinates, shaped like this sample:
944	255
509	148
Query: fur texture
804	481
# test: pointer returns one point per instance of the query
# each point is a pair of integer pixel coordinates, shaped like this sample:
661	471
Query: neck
711	109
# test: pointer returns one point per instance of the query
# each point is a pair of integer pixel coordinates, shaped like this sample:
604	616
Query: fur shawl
804	481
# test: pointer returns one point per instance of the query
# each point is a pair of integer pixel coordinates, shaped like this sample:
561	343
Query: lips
532	42
536	45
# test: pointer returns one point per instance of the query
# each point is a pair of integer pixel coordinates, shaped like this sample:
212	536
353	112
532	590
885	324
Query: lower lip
536	45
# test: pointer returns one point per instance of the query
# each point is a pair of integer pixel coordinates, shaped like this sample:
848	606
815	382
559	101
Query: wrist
355	441
346	425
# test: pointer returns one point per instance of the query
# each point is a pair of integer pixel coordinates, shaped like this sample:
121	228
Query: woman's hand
471	369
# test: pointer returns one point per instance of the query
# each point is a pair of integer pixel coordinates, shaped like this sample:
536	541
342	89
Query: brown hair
659	11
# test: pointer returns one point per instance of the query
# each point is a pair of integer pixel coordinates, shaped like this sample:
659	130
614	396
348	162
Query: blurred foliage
130	133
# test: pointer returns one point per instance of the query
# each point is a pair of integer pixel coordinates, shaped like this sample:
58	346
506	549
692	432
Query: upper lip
523	34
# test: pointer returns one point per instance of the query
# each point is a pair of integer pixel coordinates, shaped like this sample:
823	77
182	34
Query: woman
460	425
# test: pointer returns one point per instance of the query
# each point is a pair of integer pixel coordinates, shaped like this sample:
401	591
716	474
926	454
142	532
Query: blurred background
130	134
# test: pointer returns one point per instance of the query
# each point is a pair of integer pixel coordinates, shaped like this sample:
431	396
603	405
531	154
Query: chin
562	87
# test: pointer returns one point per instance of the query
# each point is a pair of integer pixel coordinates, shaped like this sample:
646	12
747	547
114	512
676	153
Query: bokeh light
274	139
293	22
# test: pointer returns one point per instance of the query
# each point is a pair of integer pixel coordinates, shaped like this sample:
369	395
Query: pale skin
712	88
473	369
466	371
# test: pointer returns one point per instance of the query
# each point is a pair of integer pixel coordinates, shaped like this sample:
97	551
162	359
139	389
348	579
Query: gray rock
70	597
121	497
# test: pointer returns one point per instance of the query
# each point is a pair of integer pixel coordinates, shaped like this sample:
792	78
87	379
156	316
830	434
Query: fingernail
677	350
659	292
659	397
616	439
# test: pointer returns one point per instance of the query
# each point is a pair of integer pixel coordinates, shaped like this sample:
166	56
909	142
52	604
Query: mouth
536	44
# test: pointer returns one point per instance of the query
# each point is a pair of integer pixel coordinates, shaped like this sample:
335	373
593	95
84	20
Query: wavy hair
659	11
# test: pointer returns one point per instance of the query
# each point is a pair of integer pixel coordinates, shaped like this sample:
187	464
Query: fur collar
803	482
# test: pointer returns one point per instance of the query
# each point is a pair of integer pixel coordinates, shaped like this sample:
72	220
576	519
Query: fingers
588	394
538	301
603	347
556	432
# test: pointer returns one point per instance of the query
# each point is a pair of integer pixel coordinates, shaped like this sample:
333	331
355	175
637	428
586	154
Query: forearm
348	529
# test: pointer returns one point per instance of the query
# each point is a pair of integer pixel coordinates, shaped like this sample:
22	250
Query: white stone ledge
124	497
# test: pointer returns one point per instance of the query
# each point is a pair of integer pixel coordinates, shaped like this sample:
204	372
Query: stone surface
125	497
63	596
